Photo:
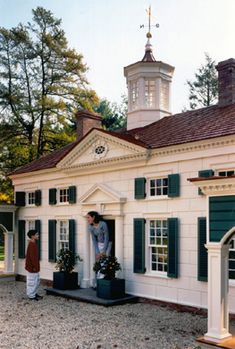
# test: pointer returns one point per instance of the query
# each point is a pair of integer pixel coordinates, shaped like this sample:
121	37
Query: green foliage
203	91
114	115
42	81
107	265
66	260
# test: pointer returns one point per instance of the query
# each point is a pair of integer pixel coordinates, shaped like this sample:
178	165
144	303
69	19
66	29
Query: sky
108	34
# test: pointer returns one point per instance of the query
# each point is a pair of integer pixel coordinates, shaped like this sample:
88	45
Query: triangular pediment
101	194
99	148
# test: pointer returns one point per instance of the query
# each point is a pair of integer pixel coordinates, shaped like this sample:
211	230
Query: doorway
111	229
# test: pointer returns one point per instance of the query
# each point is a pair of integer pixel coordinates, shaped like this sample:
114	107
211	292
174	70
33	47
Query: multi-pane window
31	224
226	173
63	240
31	198
134	94
63	195
164	94
150	92
158	186
158	245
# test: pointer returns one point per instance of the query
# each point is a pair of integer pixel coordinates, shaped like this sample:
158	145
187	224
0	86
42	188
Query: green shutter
38	197
52	240
221	216
39	244
20	198
72	195
72	239
206	174
21	239
139	245
173	185
173	248
140	190
52	196
202	251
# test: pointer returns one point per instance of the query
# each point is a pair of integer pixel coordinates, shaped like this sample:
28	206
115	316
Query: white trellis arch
218	314
7	225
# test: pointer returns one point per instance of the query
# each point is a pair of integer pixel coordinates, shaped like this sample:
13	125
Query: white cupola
148	83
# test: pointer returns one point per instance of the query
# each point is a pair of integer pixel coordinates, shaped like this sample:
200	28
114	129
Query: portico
220	194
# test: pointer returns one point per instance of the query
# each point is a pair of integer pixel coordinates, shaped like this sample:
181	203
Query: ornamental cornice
109	161
216	186
217	189
194	146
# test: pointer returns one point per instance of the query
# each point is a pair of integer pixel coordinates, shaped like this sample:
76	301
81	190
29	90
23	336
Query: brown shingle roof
180	128
194	125
47	161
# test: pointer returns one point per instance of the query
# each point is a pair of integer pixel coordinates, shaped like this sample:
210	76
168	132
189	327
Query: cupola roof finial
148	57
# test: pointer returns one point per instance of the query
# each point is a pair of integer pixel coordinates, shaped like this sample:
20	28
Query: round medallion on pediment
99	149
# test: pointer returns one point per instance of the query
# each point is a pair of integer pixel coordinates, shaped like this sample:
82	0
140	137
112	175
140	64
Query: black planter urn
65	281
110	289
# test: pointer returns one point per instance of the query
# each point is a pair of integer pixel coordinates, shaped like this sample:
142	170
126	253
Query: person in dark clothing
32	266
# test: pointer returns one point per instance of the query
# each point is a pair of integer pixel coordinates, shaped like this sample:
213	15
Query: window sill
156	275
231	283
160	197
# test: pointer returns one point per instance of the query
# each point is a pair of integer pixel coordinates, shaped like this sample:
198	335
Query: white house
166	187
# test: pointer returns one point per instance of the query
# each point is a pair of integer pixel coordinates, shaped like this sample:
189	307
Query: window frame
157	178
62	195
134	94
226	173
150	93
30	196
149	246
62	243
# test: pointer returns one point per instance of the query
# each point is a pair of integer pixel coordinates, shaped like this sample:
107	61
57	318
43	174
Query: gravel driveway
58	323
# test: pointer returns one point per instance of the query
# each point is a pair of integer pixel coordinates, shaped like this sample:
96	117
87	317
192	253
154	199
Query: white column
119	242
85	283
218	322
8	251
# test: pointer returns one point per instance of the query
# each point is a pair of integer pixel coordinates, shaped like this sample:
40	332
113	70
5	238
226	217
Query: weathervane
149	35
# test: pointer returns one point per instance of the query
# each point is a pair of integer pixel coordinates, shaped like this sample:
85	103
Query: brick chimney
226	80
87	120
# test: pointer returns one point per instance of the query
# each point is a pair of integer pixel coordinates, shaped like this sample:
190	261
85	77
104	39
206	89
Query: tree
203	91
42	82
114	115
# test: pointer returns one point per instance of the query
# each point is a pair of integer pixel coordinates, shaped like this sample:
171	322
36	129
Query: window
134	94
150	93
30	225
164	94
63	195
226	173
158	186
157	244
63	240
31	198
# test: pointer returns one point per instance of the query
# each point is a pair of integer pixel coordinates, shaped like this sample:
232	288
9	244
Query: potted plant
65	278
109	287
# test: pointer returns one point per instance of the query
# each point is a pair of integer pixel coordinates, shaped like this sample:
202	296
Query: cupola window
134	94
150	93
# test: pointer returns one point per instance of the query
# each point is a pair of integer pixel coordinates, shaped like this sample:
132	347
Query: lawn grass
1	253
